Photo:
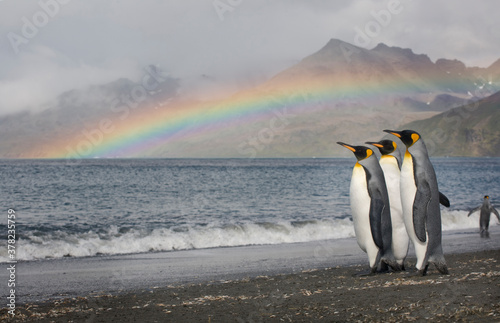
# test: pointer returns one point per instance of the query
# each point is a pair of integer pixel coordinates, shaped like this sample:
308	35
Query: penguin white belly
408	191
400	239
360	208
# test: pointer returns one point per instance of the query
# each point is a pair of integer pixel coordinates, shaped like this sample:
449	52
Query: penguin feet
442	268
382	267
485	234
422	271
387	261
417	272
397	267
393	264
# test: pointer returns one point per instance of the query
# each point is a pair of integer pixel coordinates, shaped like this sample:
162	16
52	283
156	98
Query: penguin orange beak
376	144
351	148
393	132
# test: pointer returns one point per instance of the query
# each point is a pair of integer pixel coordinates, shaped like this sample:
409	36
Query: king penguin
370	209
390	161
484	215
420	200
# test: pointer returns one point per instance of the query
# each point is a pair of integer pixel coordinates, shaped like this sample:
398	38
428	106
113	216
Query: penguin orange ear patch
415	137
369	152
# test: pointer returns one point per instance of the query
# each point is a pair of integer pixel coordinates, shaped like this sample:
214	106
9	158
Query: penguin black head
361	152
486	197
408	137
384	146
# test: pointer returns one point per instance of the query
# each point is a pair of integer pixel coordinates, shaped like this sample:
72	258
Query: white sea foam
456	220
60	244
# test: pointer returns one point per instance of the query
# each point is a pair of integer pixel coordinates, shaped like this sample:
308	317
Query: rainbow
136	132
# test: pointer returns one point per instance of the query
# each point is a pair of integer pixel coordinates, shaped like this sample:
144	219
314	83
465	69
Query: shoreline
42	280
470	293
238	280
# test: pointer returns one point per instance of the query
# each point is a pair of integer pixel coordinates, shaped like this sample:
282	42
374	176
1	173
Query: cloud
91	42
42	74
463	30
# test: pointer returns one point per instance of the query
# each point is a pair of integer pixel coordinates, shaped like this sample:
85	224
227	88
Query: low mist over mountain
28	134
342	92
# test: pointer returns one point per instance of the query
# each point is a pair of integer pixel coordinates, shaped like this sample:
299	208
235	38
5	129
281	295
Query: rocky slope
469	130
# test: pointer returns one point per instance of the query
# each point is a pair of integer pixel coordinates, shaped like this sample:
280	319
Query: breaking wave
456	220
115	241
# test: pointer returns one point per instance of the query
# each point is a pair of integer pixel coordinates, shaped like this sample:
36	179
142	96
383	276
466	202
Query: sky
48	47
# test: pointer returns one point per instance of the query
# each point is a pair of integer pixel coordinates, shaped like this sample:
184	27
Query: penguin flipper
444	200
496	213
420	204
376	208
474	210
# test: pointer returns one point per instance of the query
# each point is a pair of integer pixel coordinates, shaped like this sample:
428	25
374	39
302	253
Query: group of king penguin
393	203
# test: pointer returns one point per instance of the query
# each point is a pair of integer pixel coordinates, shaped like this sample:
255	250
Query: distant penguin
420	199
370	209
484	216
391	164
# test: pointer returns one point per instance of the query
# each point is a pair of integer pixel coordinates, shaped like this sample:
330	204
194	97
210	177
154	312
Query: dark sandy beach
471	293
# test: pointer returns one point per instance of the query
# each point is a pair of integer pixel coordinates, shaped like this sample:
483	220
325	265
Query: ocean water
109	206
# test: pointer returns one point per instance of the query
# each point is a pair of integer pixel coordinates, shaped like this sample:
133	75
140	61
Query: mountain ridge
469	130
340	92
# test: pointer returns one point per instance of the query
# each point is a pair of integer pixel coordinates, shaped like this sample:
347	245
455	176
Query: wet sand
304	293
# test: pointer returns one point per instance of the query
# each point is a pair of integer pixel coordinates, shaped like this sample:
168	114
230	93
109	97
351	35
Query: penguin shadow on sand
484	216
